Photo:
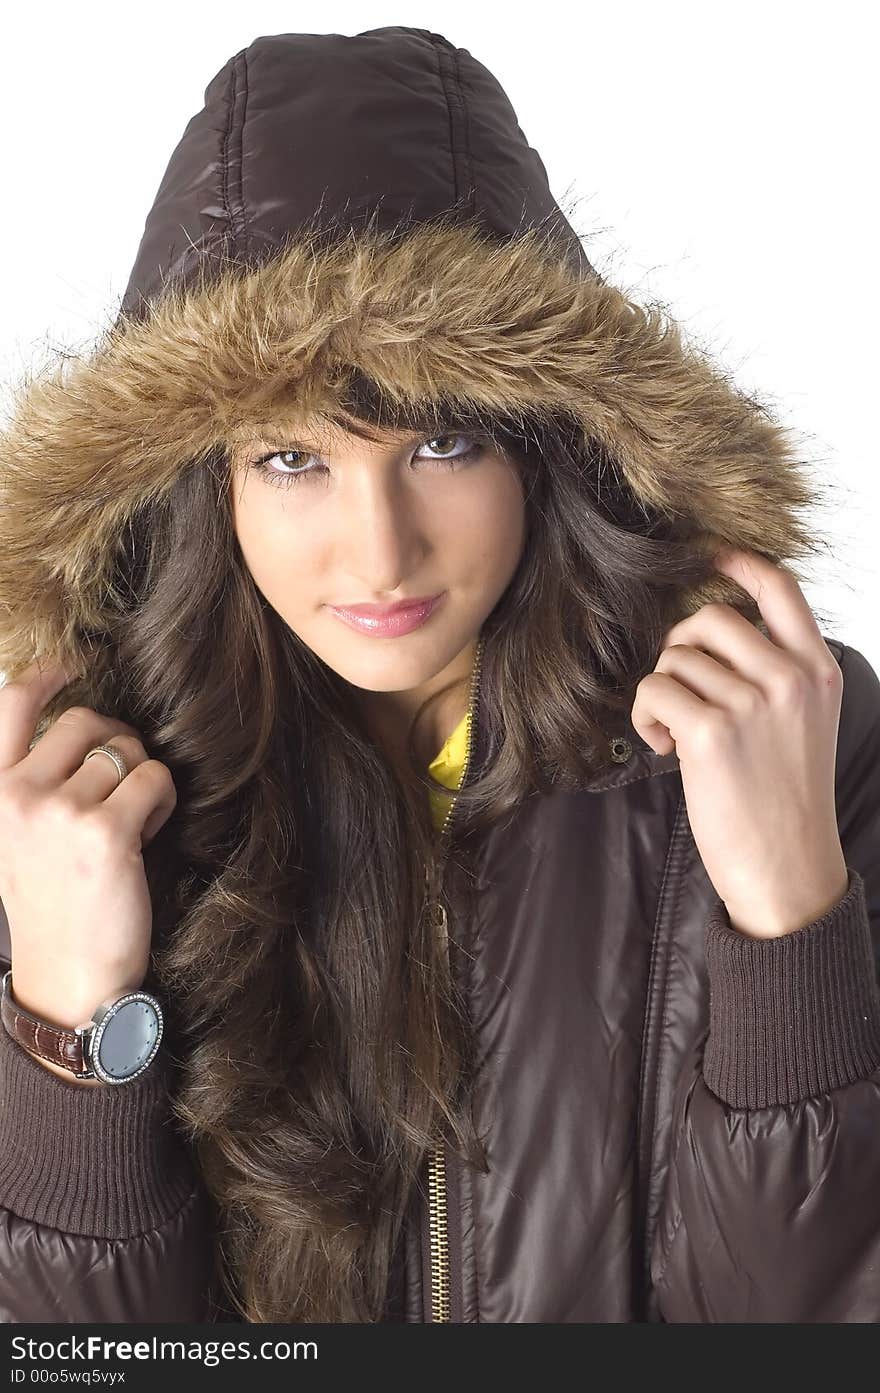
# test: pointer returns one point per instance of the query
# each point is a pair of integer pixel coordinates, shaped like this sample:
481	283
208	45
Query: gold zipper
438	1227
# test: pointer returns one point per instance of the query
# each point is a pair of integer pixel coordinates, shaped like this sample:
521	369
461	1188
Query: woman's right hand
72	877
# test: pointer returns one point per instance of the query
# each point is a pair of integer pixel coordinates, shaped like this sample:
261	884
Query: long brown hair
320	1044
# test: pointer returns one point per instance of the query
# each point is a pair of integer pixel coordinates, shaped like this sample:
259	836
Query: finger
59	754
711	681
144	801
21	704
663	706
783	605
93	780
729	638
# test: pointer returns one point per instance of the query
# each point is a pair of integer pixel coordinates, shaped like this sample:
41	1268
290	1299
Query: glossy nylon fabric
392	127
681	1123
585	971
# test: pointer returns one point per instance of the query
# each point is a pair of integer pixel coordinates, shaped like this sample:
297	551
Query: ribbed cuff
794	1016
97	1161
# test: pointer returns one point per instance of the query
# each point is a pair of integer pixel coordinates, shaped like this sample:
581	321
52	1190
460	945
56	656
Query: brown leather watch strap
52	1042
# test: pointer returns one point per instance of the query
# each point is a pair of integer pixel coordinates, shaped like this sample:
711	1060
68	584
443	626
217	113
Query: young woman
510	958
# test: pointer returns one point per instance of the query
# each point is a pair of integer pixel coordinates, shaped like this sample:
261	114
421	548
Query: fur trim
442	310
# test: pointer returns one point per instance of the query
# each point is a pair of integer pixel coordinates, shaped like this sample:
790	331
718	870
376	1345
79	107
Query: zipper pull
437	910
432	878
434	906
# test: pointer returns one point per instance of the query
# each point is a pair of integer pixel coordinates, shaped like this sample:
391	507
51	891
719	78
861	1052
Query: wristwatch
118	1043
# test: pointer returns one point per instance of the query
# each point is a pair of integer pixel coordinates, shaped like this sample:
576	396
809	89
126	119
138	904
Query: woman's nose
383	539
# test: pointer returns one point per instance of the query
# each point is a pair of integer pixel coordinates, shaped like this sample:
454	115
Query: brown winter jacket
682	1122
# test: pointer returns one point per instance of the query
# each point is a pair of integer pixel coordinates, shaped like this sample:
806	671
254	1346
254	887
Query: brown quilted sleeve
103	1217
771	1211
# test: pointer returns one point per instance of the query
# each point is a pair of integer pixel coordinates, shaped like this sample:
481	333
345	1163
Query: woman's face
374	523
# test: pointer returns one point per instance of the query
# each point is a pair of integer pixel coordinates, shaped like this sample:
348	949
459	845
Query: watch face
126	1040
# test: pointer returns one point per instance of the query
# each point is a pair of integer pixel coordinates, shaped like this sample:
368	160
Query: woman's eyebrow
303	440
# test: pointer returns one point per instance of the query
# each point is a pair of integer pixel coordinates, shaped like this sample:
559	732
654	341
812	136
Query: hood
367	202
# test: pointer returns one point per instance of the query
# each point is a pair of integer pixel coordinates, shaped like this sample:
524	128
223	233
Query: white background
720	158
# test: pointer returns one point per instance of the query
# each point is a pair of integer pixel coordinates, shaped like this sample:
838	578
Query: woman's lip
380	611
392	622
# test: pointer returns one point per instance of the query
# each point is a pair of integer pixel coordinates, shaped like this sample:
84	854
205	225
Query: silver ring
121	766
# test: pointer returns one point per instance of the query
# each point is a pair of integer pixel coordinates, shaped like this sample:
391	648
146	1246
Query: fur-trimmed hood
364	201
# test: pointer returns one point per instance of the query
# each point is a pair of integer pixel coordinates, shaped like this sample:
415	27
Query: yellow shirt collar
447	767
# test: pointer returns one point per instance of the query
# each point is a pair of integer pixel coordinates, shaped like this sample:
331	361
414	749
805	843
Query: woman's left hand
754	724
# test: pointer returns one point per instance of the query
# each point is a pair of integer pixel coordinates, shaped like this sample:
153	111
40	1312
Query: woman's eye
444	454
443	458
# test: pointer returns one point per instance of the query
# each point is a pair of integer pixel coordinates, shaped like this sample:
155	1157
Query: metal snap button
621	749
